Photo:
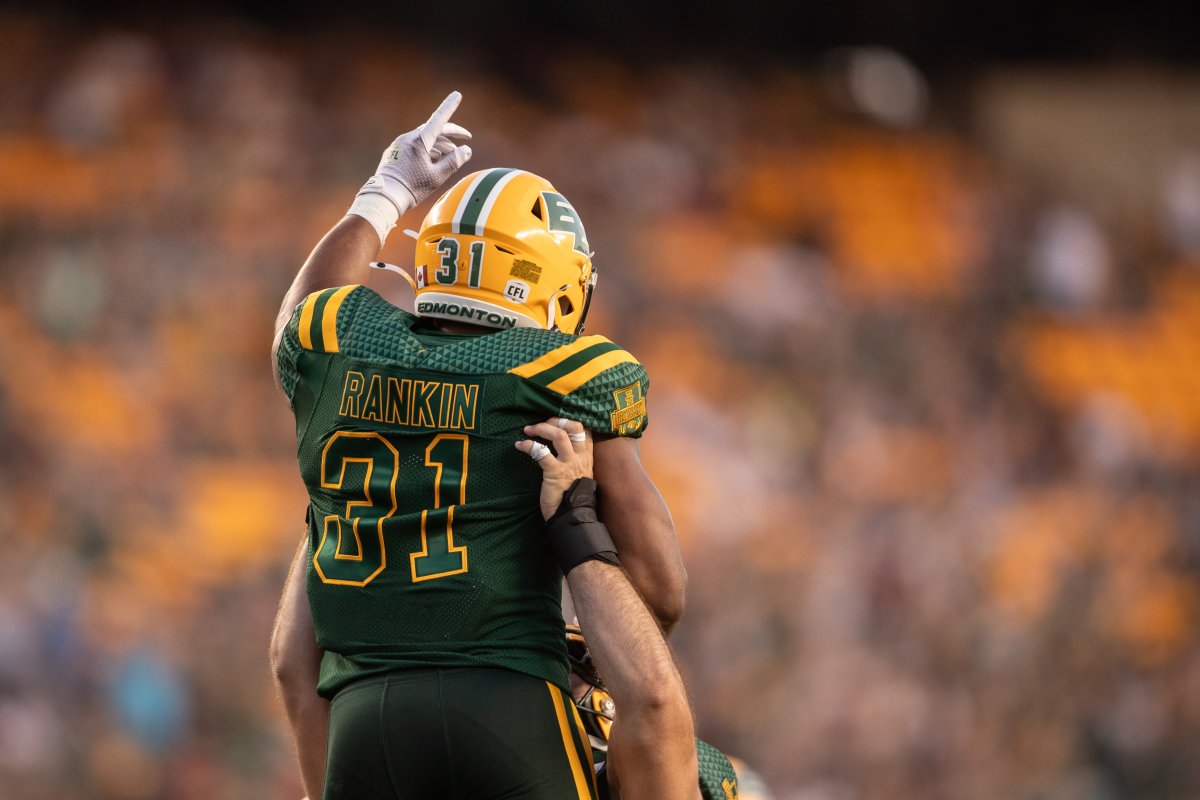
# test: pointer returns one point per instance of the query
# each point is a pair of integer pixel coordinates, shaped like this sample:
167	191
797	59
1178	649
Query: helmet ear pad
503	248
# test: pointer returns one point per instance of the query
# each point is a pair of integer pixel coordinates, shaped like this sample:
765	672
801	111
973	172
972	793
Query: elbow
671	599
289	669
282	671
665	700
658	690
662	710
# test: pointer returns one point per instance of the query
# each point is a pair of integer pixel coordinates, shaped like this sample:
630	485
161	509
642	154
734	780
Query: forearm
656	571
308	717
642	528
296	664
652	746
623	636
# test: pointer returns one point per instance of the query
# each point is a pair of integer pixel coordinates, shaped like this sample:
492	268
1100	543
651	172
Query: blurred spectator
1071	262
935	486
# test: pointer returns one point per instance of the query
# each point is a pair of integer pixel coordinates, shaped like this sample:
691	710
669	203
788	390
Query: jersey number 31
351	551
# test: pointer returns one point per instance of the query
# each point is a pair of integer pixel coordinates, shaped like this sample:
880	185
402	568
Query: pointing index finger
433	126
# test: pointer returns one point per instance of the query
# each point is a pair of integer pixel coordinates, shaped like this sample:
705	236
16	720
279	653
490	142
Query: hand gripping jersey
427	545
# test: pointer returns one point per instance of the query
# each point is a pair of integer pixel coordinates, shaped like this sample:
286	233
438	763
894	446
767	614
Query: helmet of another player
502	248
596	706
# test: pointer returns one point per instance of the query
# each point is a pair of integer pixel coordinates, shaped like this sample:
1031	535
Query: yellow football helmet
502	248
592	700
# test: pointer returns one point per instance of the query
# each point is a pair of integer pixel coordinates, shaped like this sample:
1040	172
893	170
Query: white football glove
412	167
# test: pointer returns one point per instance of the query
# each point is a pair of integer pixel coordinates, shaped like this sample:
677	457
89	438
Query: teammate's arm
641	527
412	166
651	748
652	752
296	665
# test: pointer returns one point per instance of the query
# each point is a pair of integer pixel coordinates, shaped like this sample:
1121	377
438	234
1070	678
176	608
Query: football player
435	622
718	778
653	743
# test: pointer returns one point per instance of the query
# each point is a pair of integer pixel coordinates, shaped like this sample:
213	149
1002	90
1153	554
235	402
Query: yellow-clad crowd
930	433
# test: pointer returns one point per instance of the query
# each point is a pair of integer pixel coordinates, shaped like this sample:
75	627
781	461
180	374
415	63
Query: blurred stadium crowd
928	421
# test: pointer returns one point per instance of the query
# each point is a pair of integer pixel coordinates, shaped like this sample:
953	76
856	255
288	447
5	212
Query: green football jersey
427	546
717	779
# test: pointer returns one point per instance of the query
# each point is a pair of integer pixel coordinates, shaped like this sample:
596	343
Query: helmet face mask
594	703
502	248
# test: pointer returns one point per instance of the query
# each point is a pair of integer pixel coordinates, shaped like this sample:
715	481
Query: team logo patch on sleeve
631	409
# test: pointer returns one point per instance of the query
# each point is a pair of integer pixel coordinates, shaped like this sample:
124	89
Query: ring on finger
538	451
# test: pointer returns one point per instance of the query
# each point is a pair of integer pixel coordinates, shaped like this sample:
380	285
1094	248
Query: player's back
426	539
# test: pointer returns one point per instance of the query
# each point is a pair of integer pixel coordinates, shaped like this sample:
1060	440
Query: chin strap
552	306
393	268
587	301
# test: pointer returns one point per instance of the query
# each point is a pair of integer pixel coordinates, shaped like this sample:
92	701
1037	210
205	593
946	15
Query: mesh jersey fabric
426	544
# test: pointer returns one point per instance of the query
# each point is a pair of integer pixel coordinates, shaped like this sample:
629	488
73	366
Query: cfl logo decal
517	291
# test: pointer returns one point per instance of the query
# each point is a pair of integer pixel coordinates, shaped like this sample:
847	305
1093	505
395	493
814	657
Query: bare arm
641	528
342	257
652	749
296	665
412	167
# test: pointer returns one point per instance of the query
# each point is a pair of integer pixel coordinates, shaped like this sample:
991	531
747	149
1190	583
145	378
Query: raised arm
412	167
641	527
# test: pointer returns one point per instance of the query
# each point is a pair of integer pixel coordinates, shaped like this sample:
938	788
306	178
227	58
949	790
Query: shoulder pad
566	368
316	322
595	382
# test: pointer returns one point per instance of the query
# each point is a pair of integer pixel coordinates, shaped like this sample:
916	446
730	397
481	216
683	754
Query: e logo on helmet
562	217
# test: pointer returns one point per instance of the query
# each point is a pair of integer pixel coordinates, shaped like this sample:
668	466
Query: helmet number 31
447	273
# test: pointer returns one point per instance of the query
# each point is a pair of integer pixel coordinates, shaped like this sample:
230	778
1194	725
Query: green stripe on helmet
469	222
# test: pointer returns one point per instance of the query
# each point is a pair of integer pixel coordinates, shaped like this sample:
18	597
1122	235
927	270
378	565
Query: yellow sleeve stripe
578	377
306	318
329	320
554	357
581	783
318	319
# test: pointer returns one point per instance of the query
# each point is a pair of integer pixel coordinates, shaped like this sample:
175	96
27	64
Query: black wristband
575	533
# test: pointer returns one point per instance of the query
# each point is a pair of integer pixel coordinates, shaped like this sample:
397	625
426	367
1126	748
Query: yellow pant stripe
576	378
581	783
329	317
556	356
583	737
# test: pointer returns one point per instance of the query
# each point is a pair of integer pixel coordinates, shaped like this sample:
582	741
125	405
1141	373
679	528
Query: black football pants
461	734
